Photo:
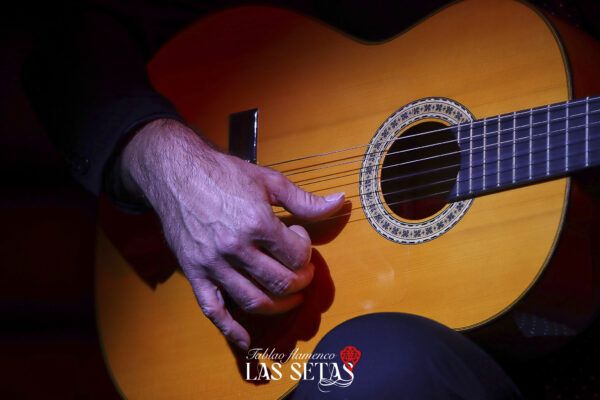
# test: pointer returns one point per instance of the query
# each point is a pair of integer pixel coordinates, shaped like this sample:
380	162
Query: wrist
156	156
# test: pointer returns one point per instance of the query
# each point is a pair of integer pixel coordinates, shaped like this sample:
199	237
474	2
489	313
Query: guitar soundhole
419	170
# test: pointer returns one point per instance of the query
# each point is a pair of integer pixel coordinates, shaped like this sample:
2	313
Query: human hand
216	214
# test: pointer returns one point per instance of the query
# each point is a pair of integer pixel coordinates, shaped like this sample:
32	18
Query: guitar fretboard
527	146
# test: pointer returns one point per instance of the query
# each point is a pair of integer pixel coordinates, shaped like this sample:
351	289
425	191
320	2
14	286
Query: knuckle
281	286
255	226
279	185
230	244
308	198
260	223
225	330
294	262
200	266
276	178
301	257
211	312
254	305
298	263
211	266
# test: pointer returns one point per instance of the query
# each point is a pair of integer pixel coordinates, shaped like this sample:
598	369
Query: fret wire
548	140
567	136
514	148
587	119
484	150
471	158
458	176
530	143
498	156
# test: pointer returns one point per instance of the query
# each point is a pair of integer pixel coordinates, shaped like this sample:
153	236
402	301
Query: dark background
48	342
49	346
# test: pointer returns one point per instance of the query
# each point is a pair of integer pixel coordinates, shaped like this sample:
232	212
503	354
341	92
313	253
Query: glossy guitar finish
318	90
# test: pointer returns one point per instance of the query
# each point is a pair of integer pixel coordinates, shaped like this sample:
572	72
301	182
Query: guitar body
514	256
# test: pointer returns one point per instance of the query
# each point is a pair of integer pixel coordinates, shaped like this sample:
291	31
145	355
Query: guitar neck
528	146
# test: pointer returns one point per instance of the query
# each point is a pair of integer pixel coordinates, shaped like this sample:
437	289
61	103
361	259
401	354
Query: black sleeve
87	82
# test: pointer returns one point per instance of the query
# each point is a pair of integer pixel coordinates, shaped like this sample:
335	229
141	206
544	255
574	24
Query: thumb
301	203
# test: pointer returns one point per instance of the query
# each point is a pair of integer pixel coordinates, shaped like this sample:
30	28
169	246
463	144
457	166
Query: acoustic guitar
465	147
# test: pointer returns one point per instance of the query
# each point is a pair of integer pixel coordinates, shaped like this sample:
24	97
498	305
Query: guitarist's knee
408	356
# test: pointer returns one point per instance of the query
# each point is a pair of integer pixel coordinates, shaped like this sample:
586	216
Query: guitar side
318	90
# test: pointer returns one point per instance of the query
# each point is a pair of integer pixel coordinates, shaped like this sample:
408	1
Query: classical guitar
465	147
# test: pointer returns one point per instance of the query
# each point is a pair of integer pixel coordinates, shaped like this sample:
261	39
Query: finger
300	202
291	246
212	305
273	276
248	296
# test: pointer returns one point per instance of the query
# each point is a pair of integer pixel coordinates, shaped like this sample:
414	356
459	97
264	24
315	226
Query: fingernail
242	345
334	197
300	231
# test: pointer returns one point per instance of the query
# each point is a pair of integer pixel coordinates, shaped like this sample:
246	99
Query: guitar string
324	178
492	146
405	176
285	213
418	148
351	211
482	136
452	141
471	123
514	115
453	179
399	177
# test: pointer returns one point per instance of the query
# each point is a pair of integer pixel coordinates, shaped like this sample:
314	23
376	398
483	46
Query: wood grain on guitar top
318	90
